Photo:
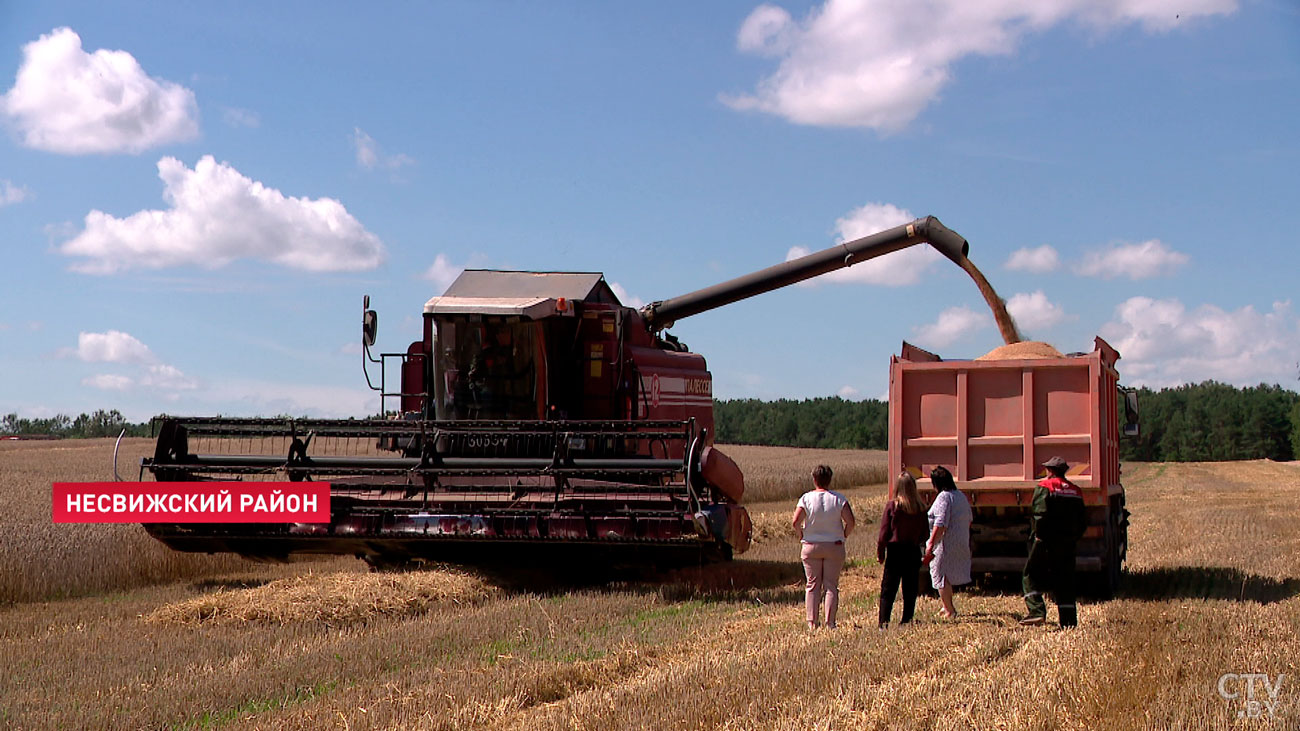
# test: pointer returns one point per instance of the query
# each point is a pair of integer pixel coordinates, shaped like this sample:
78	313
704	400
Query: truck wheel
1106	581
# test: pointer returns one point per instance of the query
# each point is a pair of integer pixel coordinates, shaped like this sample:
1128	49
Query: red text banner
191	502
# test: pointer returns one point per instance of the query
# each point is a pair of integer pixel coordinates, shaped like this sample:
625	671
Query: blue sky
195	197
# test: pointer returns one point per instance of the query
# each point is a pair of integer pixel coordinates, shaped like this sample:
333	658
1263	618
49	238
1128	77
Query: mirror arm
365	355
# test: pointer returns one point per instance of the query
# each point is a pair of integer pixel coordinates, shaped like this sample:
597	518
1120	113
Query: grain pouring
1006	325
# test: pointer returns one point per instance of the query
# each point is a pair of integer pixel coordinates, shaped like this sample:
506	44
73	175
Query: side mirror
369	323
1131	428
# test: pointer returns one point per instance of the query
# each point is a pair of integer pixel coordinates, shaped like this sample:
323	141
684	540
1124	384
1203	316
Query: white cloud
370	156
849	393
350	349
253	397
896	269
39	411
954	324
1163	343
236	117
217	216
627	299
67	101
1033	312
768	31
367	151
442	272
855	63
1038	260
10	193
113	346
1135	261
108	382
729	384
116	346
167	378
871	218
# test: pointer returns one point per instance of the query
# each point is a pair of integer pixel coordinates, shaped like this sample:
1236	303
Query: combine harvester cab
994	422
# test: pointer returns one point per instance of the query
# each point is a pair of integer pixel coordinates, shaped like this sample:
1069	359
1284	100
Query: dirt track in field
1214	588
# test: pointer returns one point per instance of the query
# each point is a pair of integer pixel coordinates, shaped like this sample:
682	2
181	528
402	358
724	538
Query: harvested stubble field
152	640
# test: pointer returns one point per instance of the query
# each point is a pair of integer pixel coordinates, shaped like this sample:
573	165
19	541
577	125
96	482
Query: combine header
536	412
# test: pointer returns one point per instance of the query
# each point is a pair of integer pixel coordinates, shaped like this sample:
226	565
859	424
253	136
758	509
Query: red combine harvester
994	422
537	414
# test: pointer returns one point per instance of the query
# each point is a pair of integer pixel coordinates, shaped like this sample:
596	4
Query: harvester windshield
488	368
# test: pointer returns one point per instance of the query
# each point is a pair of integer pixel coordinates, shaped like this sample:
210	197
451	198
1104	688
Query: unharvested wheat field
102	628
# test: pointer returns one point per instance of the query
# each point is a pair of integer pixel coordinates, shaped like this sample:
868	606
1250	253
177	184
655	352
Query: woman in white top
948	550
823	519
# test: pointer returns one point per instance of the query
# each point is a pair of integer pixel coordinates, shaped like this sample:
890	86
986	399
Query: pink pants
821	564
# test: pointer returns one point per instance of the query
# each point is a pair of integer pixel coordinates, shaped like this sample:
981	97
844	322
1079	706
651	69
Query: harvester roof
576	286
527	294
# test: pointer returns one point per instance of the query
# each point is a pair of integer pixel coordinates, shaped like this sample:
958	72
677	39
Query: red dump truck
994	422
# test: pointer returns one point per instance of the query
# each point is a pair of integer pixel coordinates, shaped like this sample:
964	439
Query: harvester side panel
672	385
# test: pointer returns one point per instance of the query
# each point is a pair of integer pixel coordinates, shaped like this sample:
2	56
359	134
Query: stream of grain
1006	325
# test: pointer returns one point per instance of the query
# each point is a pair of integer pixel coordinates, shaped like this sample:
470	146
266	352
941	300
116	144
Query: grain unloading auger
536	414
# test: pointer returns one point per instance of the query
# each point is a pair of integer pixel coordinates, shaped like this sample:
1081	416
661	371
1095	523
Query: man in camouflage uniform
1057	522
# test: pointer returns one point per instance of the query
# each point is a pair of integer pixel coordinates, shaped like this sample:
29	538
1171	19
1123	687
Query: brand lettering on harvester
699	386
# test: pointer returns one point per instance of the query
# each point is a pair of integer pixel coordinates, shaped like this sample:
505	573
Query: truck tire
1106	582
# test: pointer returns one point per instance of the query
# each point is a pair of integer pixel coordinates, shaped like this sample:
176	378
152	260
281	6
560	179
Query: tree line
827	423
1207	421
101	423
1212	421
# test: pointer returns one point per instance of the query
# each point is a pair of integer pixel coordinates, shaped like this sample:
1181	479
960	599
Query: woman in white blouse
823	519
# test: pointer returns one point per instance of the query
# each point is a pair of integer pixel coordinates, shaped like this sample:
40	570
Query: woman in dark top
902	529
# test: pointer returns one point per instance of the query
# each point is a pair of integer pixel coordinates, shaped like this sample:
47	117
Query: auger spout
926	230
